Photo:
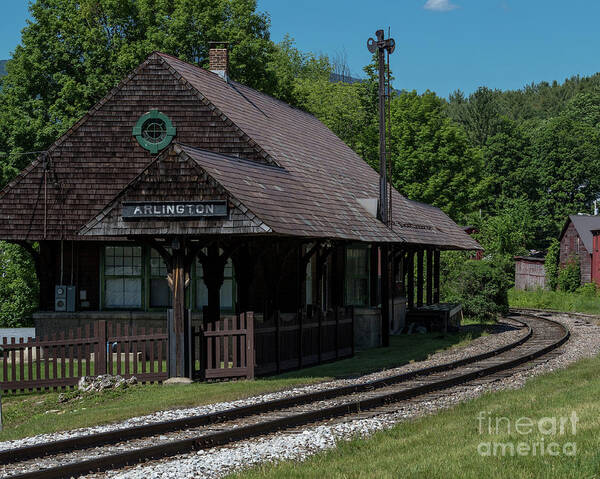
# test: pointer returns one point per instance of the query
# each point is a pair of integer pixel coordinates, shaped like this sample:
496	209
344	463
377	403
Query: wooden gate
225	348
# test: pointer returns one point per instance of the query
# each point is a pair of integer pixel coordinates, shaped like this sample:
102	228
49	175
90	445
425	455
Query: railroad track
119	448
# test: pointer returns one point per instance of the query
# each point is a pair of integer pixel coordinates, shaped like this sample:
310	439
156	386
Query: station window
227	289
160	293
357	276
123	273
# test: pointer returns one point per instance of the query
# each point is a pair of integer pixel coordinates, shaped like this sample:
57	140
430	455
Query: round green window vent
154	131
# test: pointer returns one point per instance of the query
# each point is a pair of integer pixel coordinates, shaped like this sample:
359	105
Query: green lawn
38	369
27	414
554	300
448	444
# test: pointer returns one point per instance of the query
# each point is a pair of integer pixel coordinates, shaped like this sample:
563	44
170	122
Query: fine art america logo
547	436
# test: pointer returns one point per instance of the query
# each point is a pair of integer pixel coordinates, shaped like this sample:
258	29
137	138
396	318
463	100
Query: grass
446	445
38	369
38	413
555	300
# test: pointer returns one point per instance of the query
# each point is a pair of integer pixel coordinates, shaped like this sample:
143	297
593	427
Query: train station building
185	192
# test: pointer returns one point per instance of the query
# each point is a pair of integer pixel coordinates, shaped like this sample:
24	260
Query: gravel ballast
505	332
299	444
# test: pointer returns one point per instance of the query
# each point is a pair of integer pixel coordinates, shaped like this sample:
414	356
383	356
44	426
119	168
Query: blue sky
441	45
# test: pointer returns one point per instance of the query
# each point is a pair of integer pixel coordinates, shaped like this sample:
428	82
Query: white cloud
439	5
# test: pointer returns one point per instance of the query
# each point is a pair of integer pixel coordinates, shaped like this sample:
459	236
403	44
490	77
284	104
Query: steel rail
119	435
534	311
213	439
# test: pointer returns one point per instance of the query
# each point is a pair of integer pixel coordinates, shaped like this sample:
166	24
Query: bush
480	286
551	264
18	286
589	290
569	276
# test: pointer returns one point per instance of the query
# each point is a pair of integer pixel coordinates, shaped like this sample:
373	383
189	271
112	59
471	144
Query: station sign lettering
174	209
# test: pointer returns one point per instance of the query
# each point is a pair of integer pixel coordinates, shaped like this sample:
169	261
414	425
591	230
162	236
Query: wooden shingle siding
169	178
572	246
99	157
321	178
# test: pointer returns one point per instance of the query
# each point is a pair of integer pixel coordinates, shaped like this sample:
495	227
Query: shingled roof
311	187
584	224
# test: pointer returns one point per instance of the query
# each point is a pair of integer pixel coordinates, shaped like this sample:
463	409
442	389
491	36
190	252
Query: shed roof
584	225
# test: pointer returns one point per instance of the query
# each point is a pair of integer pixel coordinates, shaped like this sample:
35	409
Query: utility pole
380	46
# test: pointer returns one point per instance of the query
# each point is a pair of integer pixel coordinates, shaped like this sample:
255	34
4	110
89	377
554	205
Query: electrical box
71	298
60	297
65	298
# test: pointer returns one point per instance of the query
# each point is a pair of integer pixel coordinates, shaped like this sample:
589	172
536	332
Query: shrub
588	289
551	264
480	286
569	276
18	286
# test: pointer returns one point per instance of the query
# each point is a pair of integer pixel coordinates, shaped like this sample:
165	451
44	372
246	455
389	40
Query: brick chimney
218	59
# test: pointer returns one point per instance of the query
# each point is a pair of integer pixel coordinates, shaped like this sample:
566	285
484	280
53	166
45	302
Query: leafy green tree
432	159
566	157
295	72
508	167
508	233
18	286
551	265
72	52
479	114
335	104
585	107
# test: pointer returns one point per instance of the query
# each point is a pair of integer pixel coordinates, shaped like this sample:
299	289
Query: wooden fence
60	360
235	346
286	341
224	348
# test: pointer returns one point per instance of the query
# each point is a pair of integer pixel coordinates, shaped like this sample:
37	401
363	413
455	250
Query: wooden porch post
410	271
429	276
436	276
319	302
177	344
301	277
374	275
385	295
420	278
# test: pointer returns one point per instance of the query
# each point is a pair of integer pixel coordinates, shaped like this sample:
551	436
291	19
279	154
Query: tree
72	52
478	114
337	105
566	158
507	233
294	71
18	286
432	159
551	265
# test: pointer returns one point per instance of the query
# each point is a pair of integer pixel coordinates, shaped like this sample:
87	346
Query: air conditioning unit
60	298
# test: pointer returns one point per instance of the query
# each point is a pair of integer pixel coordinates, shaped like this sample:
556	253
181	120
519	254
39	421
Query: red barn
576	241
